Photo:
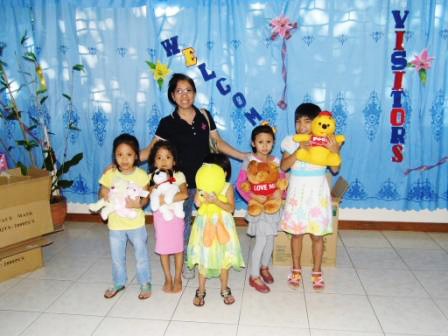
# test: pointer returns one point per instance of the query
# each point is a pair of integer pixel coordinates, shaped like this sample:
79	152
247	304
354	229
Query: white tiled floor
385	283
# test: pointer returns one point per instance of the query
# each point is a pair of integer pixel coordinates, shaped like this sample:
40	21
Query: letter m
171	47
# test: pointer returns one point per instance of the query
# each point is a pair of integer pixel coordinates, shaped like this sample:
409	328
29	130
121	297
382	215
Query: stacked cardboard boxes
282	246
24	217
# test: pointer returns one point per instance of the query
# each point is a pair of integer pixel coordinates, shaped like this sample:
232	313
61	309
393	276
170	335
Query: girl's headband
266	123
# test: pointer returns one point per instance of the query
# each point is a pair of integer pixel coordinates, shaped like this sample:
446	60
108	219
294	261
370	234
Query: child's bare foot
168	286
177	285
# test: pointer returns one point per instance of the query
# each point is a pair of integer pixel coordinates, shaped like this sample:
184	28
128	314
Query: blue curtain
340	57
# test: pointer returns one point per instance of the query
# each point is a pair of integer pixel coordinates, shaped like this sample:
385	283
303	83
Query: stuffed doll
321	127
163	182
118	192
264	185
210	178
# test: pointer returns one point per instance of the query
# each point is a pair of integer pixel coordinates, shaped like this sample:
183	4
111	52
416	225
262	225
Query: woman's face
183	95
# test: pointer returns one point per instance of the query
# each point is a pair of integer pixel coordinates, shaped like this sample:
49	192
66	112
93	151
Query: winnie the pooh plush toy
321	127
210	178
265	187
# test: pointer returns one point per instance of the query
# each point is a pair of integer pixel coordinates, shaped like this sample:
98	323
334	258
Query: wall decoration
280	26
421	63
159	71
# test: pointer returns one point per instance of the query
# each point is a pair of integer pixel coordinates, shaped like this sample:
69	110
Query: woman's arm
144	153
287	161
225	148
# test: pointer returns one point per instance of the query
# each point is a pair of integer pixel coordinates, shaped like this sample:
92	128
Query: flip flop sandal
198	300
318	281
294	278
145	291
228	297
111	292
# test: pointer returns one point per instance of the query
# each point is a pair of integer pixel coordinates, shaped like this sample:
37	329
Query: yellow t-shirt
115	222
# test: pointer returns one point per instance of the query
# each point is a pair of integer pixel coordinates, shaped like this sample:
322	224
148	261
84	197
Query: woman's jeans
118	240
188	209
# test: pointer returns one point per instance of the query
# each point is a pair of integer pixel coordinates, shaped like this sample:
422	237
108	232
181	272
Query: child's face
164	159
125	157
263	143
303	125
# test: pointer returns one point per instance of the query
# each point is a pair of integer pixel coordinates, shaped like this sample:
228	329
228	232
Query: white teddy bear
165	186
118	192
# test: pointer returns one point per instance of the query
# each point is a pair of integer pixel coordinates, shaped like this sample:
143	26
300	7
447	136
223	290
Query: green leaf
68	164
38	92
43	100
29	56
78	67
24	38
67	96
48	162
160	83
22	167
27	144
72	127
422	76
63	184
151	65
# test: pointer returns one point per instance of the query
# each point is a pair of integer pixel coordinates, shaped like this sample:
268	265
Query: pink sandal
318	281
294	278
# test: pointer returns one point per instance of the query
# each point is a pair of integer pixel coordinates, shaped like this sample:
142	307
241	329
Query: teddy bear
265	187
118	192
163	182
211	178
321	127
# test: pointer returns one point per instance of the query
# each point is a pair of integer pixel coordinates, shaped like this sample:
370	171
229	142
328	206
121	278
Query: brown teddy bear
265	187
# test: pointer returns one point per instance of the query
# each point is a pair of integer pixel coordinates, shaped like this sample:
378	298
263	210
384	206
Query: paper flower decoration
280	26
421	63
159	71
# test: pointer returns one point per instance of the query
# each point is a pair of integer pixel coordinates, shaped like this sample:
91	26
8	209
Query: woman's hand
211	198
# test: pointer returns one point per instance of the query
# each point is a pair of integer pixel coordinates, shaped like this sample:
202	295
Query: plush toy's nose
324	126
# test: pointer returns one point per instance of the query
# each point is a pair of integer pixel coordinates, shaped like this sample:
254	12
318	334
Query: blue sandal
145	291
111	292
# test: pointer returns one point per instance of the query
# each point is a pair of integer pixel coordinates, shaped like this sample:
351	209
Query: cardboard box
282	245
21	258
24	206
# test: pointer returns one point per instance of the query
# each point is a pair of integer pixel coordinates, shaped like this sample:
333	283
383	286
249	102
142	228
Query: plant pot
58	207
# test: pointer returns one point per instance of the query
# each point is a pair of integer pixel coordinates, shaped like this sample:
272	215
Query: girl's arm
287	161
333	147
182	195
138	202
104	192
229	206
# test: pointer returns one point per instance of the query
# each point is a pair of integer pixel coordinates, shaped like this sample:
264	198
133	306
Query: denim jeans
188	209
118	240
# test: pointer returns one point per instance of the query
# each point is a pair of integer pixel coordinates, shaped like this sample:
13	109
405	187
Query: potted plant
32	147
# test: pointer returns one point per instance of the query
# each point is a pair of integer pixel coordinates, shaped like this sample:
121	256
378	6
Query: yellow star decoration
159	71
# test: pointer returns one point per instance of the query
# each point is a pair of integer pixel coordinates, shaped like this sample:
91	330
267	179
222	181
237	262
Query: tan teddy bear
265	187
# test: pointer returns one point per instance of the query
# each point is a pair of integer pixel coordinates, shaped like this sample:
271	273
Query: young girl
264	226
216	259
125	156
169	234
308	207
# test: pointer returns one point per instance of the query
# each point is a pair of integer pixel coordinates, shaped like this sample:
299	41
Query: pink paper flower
422	61
281	26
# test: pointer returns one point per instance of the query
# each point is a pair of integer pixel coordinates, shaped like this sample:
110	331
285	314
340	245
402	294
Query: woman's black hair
173	84
129	140
221	160
309	110
261	129
169	147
